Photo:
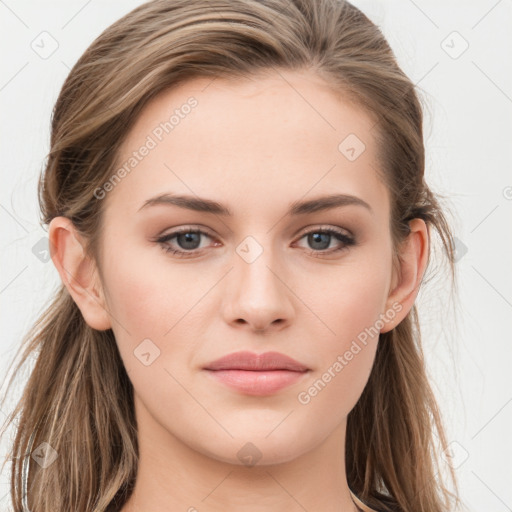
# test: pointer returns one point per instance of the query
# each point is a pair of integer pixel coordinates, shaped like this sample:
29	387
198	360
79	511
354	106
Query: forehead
273	137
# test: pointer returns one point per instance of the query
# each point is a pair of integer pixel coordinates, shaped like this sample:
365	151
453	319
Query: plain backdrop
459	55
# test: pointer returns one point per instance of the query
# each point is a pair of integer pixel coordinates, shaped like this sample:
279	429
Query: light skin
255	146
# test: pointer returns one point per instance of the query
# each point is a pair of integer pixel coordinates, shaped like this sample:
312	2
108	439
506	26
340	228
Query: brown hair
78	397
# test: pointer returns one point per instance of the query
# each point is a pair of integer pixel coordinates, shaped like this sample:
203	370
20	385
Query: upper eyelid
181	230
206	231
327	227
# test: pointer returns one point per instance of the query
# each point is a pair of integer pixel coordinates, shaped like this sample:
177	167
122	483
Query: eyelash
342	237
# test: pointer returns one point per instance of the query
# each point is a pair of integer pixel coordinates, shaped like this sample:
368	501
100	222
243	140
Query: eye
188	241
187	238
320	239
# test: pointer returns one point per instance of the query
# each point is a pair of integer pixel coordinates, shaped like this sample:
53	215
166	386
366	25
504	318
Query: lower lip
257	383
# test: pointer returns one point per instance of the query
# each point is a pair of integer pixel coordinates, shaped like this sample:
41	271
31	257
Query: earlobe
412	262
78	272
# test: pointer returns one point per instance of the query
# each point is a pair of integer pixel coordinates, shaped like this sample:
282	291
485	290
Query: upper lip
257	362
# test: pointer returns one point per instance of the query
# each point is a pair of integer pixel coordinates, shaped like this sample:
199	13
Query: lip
245	360
256	374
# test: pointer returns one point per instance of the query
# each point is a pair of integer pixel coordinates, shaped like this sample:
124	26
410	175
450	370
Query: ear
408	273
78	272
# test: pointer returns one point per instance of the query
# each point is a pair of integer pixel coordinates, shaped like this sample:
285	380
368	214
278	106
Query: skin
255	146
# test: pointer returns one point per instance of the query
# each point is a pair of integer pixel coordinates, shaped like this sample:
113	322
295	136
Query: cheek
143	305
147	294
349	304
346	299
345	360
151	298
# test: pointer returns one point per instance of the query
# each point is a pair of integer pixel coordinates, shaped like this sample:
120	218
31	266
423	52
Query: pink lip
255	374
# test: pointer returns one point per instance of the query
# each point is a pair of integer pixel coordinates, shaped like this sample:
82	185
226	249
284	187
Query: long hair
78	398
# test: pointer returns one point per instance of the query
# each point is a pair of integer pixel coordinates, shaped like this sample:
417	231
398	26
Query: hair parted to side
78	397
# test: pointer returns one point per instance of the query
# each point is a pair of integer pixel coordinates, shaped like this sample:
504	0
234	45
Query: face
268	265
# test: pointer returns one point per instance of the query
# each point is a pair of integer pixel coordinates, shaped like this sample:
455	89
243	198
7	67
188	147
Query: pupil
317	238
189	239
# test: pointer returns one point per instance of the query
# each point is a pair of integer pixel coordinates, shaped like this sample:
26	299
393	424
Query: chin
257	448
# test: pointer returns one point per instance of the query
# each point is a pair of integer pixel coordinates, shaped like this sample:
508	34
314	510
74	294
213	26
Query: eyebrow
296	208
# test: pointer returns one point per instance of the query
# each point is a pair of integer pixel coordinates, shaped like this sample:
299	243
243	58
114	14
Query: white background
468	130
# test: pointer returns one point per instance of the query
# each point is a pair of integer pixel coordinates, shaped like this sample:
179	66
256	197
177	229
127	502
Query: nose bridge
256	266
258	293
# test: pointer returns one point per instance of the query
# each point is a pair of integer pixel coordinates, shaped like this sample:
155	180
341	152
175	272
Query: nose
258	297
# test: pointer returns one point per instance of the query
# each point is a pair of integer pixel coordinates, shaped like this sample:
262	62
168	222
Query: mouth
256	375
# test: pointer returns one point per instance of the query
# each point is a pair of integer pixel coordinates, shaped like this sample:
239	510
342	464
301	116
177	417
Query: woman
237	209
